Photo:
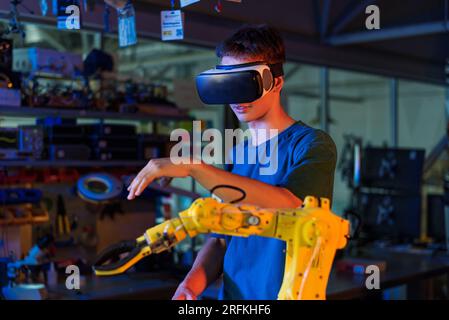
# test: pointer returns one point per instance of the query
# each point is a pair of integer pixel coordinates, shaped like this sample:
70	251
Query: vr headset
239	83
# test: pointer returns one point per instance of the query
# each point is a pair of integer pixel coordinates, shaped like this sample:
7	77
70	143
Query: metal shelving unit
82	113
8	111
69	163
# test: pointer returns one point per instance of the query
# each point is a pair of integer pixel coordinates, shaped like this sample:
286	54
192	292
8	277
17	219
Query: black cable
356	232
227	186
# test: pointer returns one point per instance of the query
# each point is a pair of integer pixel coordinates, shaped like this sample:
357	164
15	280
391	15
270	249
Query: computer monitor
392	217
435	217
394	169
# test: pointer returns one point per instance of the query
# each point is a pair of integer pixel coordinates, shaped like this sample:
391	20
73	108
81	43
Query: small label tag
54	7
171	25
127	34
185	3
44	7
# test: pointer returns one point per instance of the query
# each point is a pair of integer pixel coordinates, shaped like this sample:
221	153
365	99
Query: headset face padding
267	78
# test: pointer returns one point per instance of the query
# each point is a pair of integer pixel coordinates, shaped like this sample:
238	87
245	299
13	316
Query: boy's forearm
256	191
207	266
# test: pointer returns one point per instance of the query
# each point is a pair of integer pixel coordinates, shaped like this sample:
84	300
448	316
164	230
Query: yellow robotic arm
312	234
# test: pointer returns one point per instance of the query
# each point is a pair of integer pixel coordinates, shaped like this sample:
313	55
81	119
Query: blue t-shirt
254	267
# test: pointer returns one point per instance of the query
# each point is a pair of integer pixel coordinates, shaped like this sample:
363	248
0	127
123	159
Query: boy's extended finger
189	295
133	187
143	184
181	296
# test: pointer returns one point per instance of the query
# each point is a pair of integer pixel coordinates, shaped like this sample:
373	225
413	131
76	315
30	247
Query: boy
253	267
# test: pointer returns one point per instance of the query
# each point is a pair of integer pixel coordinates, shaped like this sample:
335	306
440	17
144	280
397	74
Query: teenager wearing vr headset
250	79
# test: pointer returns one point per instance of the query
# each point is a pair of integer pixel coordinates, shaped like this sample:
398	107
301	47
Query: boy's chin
247	117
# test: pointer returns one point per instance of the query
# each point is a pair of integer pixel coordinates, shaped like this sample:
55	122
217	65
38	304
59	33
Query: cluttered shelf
13	213
70	163
55	142
174	115
23	221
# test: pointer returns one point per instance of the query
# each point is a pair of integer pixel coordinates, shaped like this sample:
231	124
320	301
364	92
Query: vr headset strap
276	69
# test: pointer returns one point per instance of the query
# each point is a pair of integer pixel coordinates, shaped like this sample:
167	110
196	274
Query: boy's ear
278	84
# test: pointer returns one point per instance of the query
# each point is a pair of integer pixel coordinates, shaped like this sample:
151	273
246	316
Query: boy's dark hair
254	41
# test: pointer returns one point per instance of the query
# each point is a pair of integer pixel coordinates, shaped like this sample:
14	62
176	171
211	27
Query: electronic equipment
386	190
103	130
91	141
92	130
390	216
148	152
398	169
66	135
153	146
69	152
115	154
73	140
8	138
9	145
31	139
438	219
64	130
112	142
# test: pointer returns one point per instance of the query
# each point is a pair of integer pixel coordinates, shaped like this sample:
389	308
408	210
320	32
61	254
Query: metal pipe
389	33
394	112
324	93
351	11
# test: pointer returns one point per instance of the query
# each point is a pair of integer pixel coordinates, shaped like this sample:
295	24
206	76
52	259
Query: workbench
413	270
125	286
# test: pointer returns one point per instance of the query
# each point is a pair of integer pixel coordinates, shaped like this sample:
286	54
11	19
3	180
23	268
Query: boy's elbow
292	200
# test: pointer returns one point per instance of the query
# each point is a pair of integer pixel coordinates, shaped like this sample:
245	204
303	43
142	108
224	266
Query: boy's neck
276	118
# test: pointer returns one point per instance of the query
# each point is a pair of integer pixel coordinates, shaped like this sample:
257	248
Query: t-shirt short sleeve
313	161
227	167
